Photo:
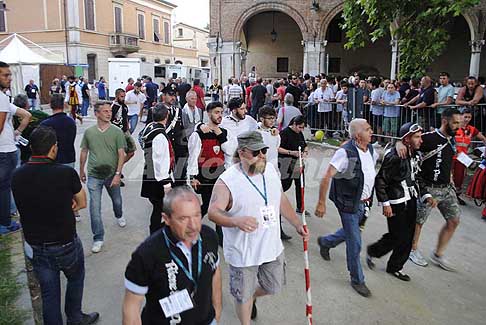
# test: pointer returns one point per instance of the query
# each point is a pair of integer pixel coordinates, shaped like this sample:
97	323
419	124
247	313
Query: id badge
268	216
176	303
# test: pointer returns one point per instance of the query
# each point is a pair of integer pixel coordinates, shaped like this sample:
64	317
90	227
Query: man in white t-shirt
134	100
237	123
247	202
235	90
322	97
8	149
352	171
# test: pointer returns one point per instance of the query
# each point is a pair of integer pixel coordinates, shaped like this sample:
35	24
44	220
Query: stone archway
270	6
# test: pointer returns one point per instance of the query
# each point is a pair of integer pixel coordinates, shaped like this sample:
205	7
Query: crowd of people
240	153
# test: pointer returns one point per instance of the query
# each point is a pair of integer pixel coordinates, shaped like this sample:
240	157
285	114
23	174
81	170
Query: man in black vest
119	117
159	163
352	170
176	270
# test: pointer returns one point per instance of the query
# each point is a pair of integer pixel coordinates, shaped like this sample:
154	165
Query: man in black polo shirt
47	194
178	266
423	102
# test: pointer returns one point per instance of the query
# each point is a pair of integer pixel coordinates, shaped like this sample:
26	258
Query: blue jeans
13	206
351	234
48	262
84	107
8	162
95	189
33	103
133	120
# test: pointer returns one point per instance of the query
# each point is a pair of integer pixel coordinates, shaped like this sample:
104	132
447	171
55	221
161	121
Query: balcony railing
121	43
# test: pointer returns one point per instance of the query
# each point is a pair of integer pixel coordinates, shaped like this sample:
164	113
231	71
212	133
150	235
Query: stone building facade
85	33
277	37
192	37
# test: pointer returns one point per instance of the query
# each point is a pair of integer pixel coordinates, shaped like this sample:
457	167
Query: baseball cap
251	140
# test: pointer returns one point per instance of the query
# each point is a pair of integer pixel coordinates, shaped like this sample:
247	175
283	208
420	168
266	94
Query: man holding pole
352	170
247	201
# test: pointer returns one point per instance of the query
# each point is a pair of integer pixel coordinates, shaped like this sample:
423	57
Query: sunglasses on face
257	152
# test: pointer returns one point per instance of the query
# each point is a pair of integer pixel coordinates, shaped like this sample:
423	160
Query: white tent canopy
23	60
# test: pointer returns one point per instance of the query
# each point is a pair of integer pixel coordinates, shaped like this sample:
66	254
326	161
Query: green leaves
420	27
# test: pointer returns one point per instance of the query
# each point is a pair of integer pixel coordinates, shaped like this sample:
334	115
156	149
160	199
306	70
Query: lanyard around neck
188	273
264	194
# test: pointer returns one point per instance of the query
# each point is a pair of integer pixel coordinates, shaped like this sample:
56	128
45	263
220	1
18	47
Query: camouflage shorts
447	204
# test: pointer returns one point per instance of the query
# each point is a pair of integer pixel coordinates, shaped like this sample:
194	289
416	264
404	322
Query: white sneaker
417	258
78	218
97	245
442	262
122	222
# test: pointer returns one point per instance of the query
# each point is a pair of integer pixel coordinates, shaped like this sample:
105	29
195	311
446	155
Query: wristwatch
117	173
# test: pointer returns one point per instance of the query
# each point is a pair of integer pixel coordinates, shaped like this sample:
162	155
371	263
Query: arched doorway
373	59
456	57
271	43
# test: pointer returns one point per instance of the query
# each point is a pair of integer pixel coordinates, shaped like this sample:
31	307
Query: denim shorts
447	204
269	276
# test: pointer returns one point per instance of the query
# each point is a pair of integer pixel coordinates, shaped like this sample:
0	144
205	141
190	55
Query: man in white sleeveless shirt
247	202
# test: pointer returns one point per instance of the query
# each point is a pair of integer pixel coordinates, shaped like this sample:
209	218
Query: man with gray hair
247	202
287	112
177	268
352	171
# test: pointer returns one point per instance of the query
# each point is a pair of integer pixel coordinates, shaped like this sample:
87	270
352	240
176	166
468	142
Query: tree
419	27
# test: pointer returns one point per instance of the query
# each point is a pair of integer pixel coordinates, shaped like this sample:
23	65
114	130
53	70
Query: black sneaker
254	310
400	275
362	289
324	250
87	319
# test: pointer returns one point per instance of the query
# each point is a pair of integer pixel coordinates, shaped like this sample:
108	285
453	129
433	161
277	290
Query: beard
258	167
240	116
450	131
217	120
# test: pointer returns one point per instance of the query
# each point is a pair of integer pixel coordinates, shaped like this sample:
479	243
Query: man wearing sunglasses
294	89
247	201
397	191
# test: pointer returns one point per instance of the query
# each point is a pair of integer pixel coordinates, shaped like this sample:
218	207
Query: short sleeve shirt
103	150
376	95
341	96
391	111
134	109
7	136
443	93
427	96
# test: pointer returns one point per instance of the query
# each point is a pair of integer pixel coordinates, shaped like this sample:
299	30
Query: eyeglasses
257	152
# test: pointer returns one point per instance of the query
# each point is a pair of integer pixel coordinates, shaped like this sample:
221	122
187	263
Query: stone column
322	57
74	36
214	59
394	59
225	59
476	46
312	55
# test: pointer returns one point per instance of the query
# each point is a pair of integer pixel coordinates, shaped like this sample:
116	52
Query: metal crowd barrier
387	123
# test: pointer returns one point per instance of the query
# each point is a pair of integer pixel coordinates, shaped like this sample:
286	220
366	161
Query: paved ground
433	296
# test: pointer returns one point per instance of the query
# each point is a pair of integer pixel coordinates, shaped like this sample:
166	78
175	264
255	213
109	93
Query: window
282	64
89	17
166	33
141	26
91	66
156	30
3	25
159	72
118	20
334	65
180	32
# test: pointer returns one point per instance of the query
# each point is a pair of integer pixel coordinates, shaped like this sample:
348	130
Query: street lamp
273	33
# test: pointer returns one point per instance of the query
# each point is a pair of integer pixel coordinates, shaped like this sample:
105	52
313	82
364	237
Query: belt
437	185
57	243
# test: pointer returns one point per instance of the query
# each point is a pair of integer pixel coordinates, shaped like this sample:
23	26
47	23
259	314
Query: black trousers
287	183
156	216
401	228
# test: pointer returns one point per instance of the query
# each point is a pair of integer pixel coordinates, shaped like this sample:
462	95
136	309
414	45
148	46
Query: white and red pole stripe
308	307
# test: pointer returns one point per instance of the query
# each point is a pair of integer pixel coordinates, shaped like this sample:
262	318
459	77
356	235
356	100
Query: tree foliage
418	25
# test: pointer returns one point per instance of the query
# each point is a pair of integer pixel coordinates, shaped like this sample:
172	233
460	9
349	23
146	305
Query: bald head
426	81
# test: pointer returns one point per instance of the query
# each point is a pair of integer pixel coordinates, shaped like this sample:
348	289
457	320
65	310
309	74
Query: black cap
170	89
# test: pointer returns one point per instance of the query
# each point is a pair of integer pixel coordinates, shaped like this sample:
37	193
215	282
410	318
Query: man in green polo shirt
103	145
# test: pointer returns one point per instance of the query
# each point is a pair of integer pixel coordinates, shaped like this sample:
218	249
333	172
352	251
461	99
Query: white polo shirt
7	136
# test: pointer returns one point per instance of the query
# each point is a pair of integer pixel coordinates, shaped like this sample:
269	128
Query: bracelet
117	173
